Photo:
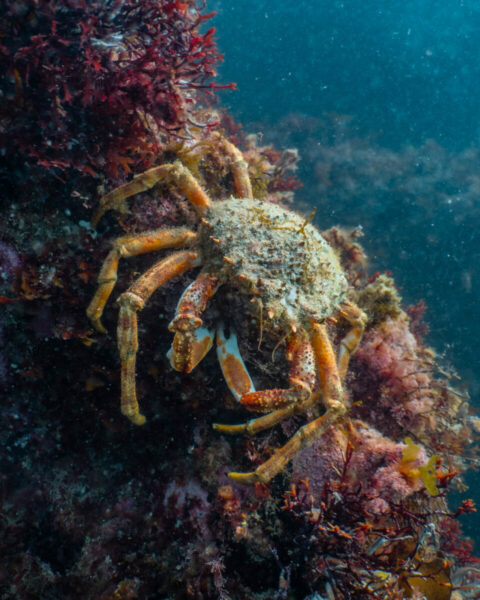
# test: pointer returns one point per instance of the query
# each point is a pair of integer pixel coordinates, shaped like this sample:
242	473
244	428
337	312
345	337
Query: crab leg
302	378
239	167
192	341
357	319
176	172
254	426
131	302
270	420
335	408
232	365
127	246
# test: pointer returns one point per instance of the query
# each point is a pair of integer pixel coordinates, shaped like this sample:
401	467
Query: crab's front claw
232	365
189	347
192	341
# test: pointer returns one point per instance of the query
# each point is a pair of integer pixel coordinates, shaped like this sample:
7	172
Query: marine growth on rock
93	95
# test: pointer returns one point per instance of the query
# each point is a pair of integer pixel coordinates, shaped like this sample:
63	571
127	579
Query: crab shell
274	254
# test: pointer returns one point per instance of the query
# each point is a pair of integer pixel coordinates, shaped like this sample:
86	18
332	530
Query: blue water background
406	72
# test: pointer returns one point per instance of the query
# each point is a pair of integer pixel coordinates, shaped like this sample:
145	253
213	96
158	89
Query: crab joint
185	322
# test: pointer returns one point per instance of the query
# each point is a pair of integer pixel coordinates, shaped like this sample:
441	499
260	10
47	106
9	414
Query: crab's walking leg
175	172
192	341
232	365
302	379
334	403
131	302
254	426
357	319
239	167
125	247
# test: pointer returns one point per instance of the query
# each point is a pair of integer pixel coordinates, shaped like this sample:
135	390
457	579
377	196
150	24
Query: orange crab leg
176	172
270	420
259	424
328	374
232	365
302	378
130	303
192	341
254	426
335	408
357	319
238	165
127	246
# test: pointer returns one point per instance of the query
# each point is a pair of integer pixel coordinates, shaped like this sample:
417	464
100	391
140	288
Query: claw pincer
192	341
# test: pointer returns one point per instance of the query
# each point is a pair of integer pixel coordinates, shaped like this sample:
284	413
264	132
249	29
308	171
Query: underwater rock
93	507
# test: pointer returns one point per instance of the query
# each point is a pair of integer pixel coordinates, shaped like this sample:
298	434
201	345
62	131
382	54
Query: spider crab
268	254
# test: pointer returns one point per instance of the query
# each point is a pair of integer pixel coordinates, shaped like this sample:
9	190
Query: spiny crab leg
330	382
232	365
283	403
357	319
127	246
238	165
175	172
302	378
348	346
192	341
236	375
130	303
333	400
268	421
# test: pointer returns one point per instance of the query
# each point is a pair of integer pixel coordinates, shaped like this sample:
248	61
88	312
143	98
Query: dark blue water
407	163
409	70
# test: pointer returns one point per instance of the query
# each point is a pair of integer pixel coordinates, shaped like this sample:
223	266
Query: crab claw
232	365
189	347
